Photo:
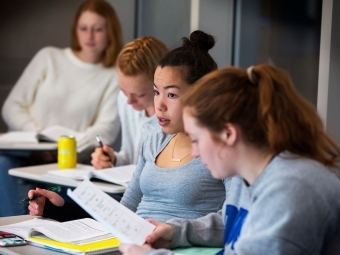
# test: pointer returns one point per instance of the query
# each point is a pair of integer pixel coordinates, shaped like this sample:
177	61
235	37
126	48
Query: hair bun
199	39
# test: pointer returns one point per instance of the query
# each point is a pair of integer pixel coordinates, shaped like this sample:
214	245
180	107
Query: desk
39	174
28	249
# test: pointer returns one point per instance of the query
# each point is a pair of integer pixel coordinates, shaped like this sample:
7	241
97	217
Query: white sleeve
16	110
122	157
107	123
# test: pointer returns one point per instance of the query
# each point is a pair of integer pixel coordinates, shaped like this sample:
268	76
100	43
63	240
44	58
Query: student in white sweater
135	65
74	87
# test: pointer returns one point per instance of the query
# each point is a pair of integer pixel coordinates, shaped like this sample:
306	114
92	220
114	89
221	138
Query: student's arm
106	123
122	157
16	109
204	231
133	194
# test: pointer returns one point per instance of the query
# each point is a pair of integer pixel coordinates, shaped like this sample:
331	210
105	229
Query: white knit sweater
57	88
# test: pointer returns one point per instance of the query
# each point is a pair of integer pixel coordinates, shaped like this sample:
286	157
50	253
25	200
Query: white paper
127	226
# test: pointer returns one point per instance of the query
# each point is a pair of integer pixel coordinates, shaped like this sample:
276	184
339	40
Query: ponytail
264	104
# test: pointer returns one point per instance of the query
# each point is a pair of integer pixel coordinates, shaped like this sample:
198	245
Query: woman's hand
103	157
131	249
162	235
36	207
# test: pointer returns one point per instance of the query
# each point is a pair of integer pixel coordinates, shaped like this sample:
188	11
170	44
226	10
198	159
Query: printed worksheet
127	226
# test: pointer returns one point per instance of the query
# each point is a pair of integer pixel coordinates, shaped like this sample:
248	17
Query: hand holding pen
37	199
103	157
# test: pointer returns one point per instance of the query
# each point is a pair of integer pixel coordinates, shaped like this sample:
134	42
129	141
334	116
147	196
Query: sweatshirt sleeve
133	194
205	231
16	110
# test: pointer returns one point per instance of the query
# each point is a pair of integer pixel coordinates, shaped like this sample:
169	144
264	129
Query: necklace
172	156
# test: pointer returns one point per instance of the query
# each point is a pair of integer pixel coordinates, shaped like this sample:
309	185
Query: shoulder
292	179
47	53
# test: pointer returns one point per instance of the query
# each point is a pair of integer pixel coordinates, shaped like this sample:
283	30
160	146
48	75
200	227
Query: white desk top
28	249
29	146
39	174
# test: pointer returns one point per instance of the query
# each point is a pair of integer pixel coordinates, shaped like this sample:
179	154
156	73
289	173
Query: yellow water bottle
67	152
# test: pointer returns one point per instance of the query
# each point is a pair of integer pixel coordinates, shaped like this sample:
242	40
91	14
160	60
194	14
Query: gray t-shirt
188	191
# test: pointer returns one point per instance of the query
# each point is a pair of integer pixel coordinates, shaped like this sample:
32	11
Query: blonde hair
265	106
105	10
141	56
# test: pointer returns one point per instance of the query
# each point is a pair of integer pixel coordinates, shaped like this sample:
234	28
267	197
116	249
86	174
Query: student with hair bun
168	181
254	124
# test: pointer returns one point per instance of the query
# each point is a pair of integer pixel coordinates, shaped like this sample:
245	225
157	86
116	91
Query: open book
127	226
76	232
50	134
119	175
85	236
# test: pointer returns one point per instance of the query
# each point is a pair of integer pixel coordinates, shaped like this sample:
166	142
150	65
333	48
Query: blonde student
75	87
168	182
253	123
136	65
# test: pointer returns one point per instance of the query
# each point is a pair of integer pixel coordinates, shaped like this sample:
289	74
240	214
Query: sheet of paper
120	175
82	172
127	226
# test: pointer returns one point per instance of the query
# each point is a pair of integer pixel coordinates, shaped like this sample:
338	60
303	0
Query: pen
54	189
101	145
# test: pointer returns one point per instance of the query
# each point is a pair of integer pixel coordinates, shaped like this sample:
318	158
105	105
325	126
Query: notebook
121	175
99	247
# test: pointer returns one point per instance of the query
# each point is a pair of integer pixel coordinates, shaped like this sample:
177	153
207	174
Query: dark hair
263	103
114	32
193	54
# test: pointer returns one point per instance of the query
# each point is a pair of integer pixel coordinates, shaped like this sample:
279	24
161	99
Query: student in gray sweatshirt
254	124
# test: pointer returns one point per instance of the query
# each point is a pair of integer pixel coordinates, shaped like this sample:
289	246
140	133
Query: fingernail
38	188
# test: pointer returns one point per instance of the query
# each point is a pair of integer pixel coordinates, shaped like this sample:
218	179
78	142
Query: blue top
188	191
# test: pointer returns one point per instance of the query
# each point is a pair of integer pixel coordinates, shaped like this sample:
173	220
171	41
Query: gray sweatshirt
295	209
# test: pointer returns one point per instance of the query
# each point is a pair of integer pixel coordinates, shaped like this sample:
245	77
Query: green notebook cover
197	251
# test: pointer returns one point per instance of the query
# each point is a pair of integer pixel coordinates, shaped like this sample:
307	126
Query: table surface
29	249
39	174
29	146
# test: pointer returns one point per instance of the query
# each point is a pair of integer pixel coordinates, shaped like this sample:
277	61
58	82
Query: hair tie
251	76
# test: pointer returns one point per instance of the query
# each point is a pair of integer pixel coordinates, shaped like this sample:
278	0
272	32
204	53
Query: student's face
169	86
138	90
213	154
92	33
